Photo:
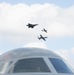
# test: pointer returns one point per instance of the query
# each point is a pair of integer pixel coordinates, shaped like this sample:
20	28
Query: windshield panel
30	65
60	66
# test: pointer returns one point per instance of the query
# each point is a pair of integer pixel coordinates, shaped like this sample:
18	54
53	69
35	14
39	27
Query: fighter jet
41	37
44	30
31	25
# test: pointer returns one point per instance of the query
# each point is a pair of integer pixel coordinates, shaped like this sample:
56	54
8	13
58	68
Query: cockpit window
60	66
30	65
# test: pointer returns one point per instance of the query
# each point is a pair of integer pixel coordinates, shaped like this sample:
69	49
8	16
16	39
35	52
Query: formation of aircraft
31	25
41	37
44	30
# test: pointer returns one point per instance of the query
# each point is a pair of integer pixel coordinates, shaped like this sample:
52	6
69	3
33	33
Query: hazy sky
57	16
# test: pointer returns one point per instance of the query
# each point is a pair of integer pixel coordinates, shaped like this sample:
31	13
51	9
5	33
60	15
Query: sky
56	16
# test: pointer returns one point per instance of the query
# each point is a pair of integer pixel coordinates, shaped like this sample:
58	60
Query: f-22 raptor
41	37
31	25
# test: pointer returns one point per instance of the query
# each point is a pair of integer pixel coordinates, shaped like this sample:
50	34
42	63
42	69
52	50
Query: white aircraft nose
33	61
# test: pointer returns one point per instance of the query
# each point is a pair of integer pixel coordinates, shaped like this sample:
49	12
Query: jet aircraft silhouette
41	37
31	25
44	30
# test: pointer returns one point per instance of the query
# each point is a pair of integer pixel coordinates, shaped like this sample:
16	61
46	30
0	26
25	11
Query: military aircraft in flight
44	30
31	25
41	37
